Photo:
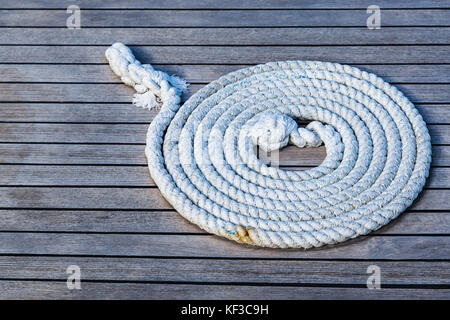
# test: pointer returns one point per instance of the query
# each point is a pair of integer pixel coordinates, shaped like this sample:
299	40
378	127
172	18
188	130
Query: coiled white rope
201	155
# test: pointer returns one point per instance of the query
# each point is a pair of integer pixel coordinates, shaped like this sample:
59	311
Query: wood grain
118	93
199	74
230	4
300	272
124	176
232	54
117	133
24	153
126	113
137	291
169	221
138	198
223	18
200	246
227	36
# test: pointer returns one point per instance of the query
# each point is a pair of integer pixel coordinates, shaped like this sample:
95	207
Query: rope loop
202	156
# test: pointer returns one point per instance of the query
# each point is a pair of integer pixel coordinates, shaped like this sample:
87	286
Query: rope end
146	100
153	87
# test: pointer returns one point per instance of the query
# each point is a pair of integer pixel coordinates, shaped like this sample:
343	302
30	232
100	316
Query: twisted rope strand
201	154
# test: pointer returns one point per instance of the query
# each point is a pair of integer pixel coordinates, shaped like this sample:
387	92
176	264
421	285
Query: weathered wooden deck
74	187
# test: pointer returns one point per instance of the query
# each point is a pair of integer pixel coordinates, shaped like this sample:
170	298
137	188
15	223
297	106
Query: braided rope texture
201	154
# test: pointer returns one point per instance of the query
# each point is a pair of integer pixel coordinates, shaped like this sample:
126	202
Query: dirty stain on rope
201	154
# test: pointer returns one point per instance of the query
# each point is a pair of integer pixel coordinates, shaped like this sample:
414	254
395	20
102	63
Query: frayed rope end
179	83
146	100
145	80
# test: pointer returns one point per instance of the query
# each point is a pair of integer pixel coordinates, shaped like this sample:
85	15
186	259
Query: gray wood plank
87	112
125	176
152	221
106	198
226	271
43	175
231	55
75	133
119	93
126	112
48	175
199	73
432	113
75	154
230	4
137	291
366	247
117	133
223	18
12	153
169	221
139	198
227	36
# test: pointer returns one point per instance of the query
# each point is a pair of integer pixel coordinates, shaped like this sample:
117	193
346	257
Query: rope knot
153	87
273	130
308	136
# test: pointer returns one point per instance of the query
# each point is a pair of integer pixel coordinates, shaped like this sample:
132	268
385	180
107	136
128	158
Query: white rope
201	155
